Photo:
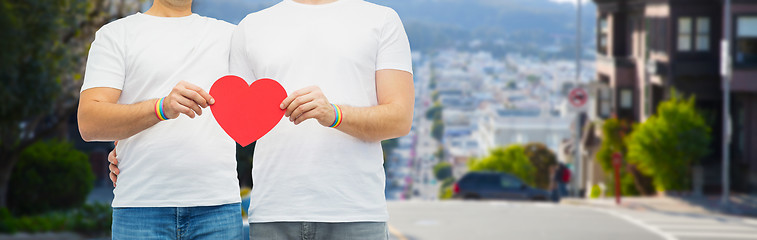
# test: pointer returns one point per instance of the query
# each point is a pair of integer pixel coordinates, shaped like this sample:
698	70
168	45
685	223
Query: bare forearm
391	118
103	121
372	124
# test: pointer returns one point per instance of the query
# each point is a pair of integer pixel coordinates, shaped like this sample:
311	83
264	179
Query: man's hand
114	171
309	103
101	118
186	98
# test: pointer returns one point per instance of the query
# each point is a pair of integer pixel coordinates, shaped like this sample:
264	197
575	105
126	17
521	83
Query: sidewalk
740	205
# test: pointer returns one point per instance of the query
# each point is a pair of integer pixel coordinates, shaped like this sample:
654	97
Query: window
657	34
626	98
684	34
703	34
510	183
746	41
694	34
604	31
604	101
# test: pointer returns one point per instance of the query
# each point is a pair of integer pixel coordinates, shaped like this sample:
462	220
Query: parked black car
496	185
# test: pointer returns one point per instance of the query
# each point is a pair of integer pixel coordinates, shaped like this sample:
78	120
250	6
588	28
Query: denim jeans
206	222
319	231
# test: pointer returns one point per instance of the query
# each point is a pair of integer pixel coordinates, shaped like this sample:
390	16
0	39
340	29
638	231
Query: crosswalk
685	226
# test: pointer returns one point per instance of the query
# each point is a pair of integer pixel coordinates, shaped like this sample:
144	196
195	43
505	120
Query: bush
446	193
90	220
49	175
668	143
613	132
595	191
445	190
512	160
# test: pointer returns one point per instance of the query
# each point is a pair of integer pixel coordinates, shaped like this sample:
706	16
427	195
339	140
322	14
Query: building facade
646	48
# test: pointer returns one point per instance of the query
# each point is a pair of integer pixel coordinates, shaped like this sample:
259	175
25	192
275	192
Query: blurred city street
417	220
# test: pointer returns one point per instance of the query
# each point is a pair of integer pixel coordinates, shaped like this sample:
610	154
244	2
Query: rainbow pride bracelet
338	120
159	109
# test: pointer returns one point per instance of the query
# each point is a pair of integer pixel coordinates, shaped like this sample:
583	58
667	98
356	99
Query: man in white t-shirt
324	178
145	85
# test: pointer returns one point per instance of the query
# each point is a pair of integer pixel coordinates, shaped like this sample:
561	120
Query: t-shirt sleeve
105	63
238	62
394	47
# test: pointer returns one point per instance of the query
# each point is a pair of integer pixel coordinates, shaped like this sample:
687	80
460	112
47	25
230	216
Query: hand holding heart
247	112
309	103
186	98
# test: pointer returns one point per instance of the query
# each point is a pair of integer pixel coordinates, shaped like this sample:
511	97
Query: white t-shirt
310	172
181	162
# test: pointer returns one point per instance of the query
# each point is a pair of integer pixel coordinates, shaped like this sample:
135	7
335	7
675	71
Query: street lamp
726	70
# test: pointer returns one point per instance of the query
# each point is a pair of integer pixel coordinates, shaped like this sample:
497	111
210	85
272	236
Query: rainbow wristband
338	120
159	110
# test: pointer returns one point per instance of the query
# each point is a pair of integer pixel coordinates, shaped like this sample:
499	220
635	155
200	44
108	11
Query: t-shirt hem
114	86
194	203
318	219
388	67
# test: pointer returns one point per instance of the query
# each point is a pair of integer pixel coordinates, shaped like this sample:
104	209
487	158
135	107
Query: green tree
44	44
440	153
437	130
541	158
633	181
435	112
668	143
533	79
442	170
512	160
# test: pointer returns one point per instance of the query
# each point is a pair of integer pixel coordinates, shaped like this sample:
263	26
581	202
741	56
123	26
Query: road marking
396	233
681	220
716	235
641	224
707	227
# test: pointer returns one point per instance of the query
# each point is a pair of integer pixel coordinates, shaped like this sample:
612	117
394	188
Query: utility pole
578	160
726	70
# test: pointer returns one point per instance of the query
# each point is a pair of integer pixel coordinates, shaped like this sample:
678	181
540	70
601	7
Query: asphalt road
439	220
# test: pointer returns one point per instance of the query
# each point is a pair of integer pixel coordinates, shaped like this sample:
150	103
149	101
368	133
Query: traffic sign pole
617	160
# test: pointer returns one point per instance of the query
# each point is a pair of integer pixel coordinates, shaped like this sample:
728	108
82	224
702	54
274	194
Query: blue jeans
319	231
563	188
206	222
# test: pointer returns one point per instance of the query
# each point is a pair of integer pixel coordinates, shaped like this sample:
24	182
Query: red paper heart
247	113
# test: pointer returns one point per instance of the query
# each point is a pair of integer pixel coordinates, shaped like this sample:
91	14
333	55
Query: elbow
85	133
401	129
404	128
85	130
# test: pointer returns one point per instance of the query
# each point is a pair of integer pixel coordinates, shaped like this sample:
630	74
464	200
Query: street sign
725	59
578	97
651	67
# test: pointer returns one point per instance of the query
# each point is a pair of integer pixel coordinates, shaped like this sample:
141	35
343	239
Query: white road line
641	224
705	227
682	220
716	235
